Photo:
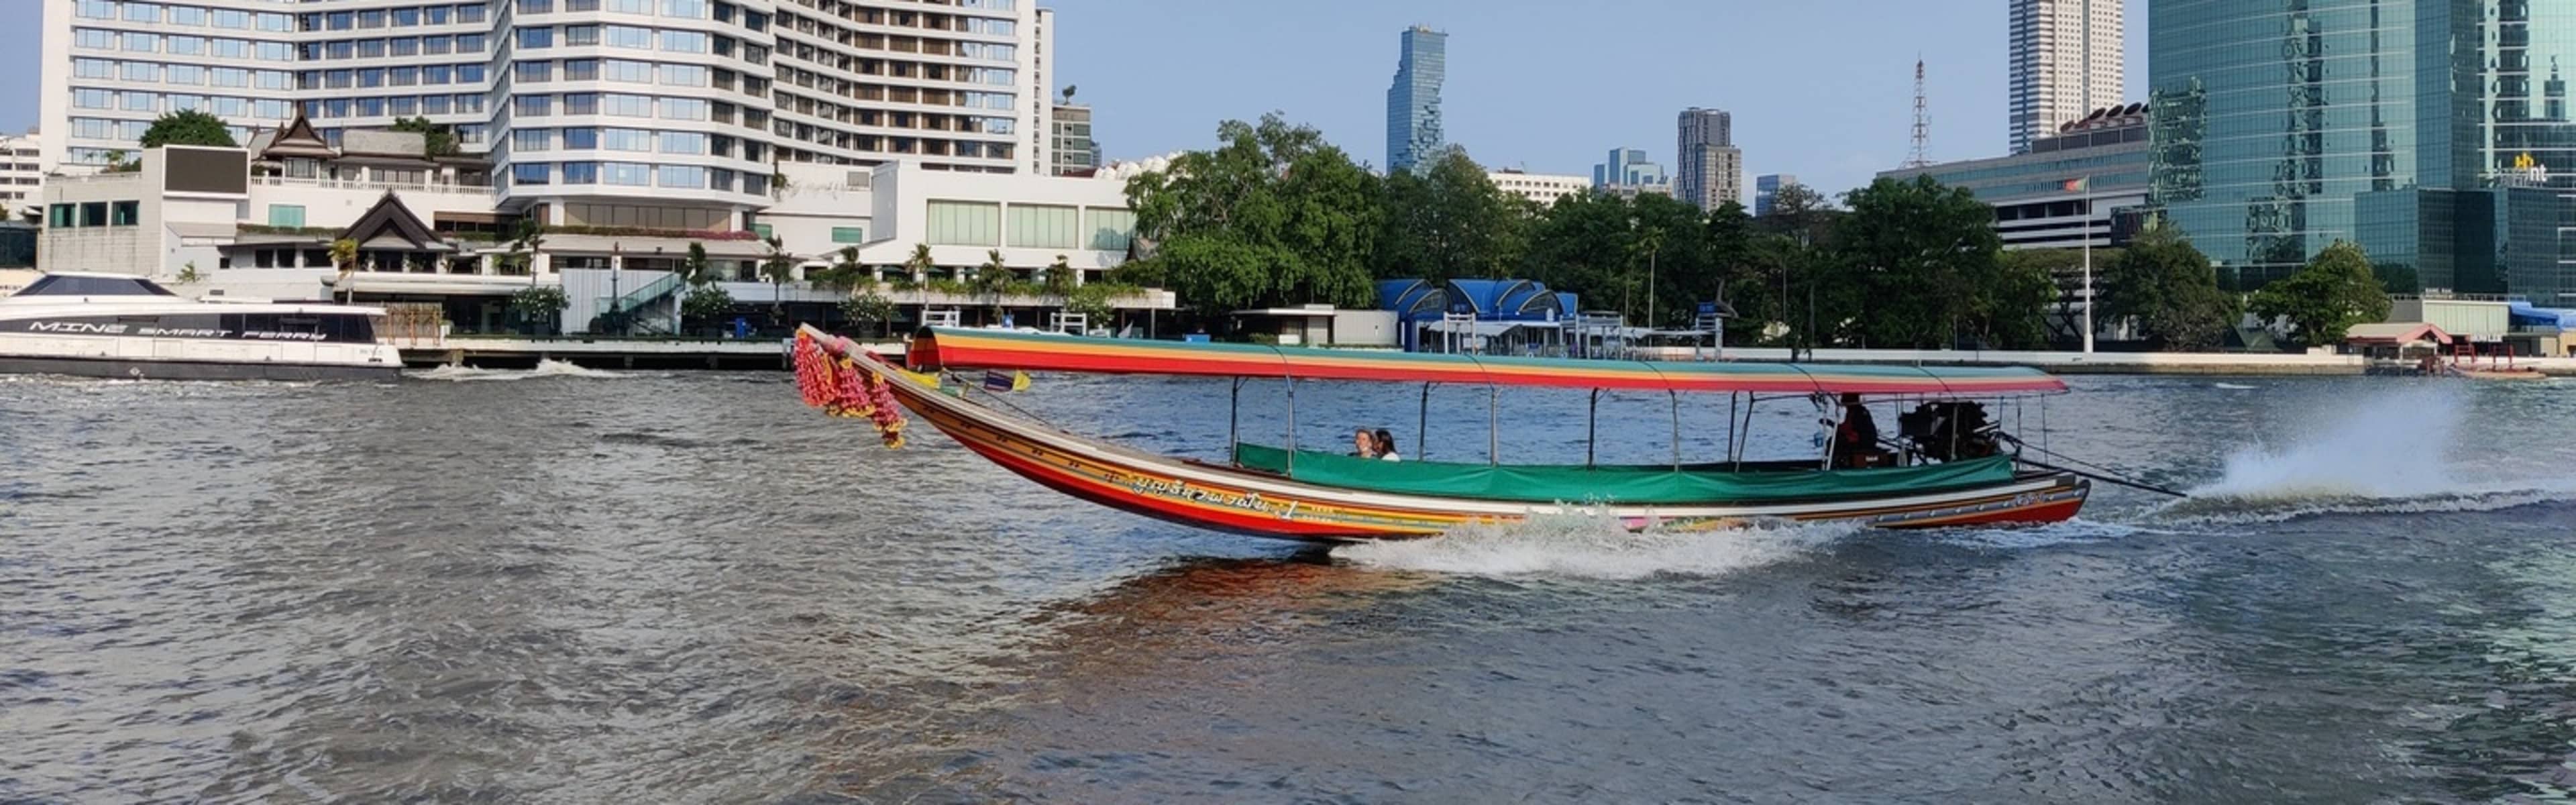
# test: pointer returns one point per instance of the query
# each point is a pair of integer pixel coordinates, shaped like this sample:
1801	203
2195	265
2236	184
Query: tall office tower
1766	190
1413	100
684	104
1707	169
1075	153
2282	126
2065	63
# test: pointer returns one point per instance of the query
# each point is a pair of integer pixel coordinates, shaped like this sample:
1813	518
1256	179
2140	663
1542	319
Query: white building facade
22	174
2064	62
568	97
1544	188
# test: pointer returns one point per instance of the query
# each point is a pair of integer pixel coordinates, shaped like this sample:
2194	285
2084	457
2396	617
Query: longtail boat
1951	467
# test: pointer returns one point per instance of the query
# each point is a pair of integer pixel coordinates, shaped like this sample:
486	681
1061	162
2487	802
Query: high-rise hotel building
669	113
2065	63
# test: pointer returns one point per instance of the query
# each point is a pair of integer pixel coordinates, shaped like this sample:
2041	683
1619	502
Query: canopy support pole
1731	454
1234	422
1677	427
1591	428
1292	426
1493	425
1422	428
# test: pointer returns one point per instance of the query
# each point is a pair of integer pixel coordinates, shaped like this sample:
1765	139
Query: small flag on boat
998	382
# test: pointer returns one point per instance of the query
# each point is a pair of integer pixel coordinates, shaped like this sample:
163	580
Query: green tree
844	275
1058	281
696	269
187	127
527	241
1450	222
437	140
1273	215
344	258
2168	286
1916	266
121	161
1581	246
2334	292
706	302
919	264
869	307
778	268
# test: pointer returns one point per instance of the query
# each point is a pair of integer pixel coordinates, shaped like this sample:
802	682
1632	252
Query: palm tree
993	279
524	245
778	268
344	256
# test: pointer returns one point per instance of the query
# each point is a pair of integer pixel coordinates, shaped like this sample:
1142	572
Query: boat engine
1949	430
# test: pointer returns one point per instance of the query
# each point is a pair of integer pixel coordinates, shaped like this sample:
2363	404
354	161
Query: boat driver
1856	439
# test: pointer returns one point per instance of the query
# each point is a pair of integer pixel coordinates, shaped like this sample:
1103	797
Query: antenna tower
1922	124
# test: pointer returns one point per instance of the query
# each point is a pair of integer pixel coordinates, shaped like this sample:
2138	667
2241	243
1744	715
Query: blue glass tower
2434	133
1413	101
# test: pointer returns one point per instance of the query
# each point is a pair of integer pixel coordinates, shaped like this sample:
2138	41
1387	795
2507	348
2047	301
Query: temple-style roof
390	225
297	139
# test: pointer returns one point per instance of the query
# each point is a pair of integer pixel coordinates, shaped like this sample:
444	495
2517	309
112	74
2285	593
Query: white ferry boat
113	325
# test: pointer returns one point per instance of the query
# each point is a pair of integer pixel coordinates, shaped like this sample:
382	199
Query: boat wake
2390	454
1596	547
544	368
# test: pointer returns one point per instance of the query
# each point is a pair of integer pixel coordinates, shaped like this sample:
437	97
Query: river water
577	586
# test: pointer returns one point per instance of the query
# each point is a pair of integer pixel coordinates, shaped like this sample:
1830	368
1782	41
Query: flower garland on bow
843	388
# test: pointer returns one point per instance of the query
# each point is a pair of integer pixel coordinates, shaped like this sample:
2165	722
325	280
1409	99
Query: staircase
617	315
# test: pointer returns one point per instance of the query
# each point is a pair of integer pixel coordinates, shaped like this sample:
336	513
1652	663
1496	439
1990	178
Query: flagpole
2086	185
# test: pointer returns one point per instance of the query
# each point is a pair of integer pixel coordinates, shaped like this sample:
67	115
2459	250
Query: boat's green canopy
1615	484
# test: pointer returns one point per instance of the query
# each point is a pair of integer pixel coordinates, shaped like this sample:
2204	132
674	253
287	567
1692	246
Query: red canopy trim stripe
951	348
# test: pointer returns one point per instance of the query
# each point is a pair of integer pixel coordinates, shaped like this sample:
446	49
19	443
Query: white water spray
2387	452
544	368
1596	547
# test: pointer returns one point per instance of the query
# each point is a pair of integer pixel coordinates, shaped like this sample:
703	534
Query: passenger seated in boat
1363	443
1856	439
1386	446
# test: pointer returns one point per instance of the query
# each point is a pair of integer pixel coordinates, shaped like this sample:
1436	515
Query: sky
1819	88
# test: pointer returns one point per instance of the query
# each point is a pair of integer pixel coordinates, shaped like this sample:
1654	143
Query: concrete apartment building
1075	153
22	175
2064	62
1708	171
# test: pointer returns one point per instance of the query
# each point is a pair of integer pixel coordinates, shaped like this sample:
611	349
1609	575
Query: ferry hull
191	370
1225	498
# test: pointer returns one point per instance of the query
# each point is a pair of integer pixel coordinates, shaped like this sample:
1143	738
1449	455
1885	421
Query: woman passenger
1386	446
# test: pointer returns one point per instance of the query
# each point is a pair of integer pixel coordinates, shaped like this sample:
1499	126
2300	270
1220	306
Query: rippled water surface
570	586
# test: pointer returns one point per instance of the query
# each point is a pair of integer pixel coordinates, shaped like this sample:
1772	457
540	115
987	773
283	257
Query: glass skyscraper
1413	100
2434	133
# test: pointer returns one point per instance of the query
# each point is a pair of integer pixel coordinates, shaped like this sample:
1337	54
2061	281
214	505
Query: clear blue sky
1822	89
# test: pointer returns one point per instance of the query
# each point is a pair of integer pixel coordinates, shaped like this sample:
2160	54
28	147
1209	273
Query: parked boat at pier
113	325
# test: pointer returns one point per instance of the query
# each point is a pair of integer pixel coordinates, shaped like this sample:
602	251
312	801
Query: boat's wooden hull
1229	499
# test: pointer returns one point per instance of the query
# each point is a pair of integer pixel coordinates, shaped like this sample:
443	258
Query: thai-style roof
390	225
955	348
378	145
296	139
2395	333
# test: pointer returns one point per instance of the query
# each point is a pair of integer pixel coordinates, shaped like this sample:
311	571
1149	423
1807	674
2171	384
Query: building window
1111	229
531	173
93	213
59	216
965	223
761	230
626	173
530	38
626	139
286	215
531	139
581	173
849	234
1038	226
683	142
580	139
125	213
689	177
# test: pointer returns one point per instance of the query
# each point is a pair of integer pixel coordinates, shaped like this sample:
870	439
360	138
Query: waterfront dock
2102	363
